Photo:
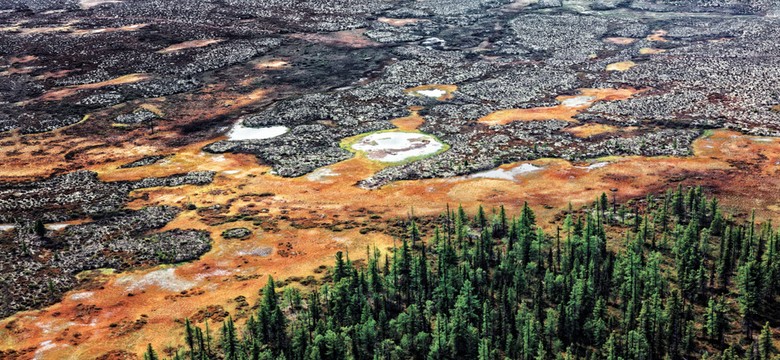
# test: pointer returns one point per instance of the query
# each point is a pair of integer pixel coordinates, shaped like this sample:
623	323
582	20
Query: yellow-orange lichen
658	35
621	66
651	51
230	270
189	45
620	40
562	111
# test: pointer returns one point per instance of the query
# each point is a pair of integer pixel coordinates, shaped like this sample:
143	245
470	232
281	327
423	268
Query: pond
240	132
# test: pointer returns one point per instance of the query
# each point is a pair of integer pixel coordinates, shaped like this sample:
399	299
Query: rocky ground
38	264
102	71
692	70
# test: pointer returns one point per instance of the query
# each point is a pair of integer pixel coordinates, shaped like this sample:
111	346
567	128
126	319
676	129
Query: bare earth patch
651	51
86	4
189	45
620	40
621	66
399	22
589	130
62	93
348	38
565	111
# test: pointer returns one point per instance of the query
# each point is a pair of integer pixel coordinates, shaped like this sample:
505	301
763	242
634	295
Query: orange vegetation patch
21	70
130	310
424	90
95	143
590	130
298	223
569	107
248	98
53	74
59	94
651	51
272	64
776	108
132	27
18	27
409	123
399	22
621	66
347	38
658	35
620	40
189	45
22	59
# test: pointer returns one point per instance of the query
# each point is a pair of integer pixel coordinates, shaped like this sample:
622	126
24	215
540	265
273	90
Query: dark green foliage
39	228
150	354
497	287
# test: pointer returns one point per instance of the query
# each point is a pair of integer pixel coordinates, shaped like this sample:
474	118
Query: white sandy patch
217	158
6	227
510	174
215	272
231	172
763	139
578	101
432	93
189	45
43	347
256	251
51	327
272	64
82	295
594	166
241	132
164	279
56	226
321	174
86	4
397	146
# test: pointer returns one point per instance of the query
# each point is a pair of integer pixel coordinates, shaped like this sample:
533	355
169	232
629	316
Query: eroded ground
233	137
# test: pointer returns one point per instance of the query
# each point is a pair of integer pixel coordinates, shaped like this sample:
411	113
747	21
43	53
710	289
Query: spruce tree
765	343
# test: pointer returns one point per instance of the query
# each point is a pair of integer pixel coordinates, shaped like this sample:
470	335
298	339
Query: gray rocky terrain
39	264
500	56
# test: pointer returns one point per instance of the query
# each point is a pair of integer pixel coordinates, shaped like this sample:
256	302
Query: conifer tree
271	322
150	354
765	345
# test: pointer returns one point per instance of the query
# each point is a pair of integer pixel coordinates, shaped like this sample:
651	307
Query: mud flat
394	147
510	174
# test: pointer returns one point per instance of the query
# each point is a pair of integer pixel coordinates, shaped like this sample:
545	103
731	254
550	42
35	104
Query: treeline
677	280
